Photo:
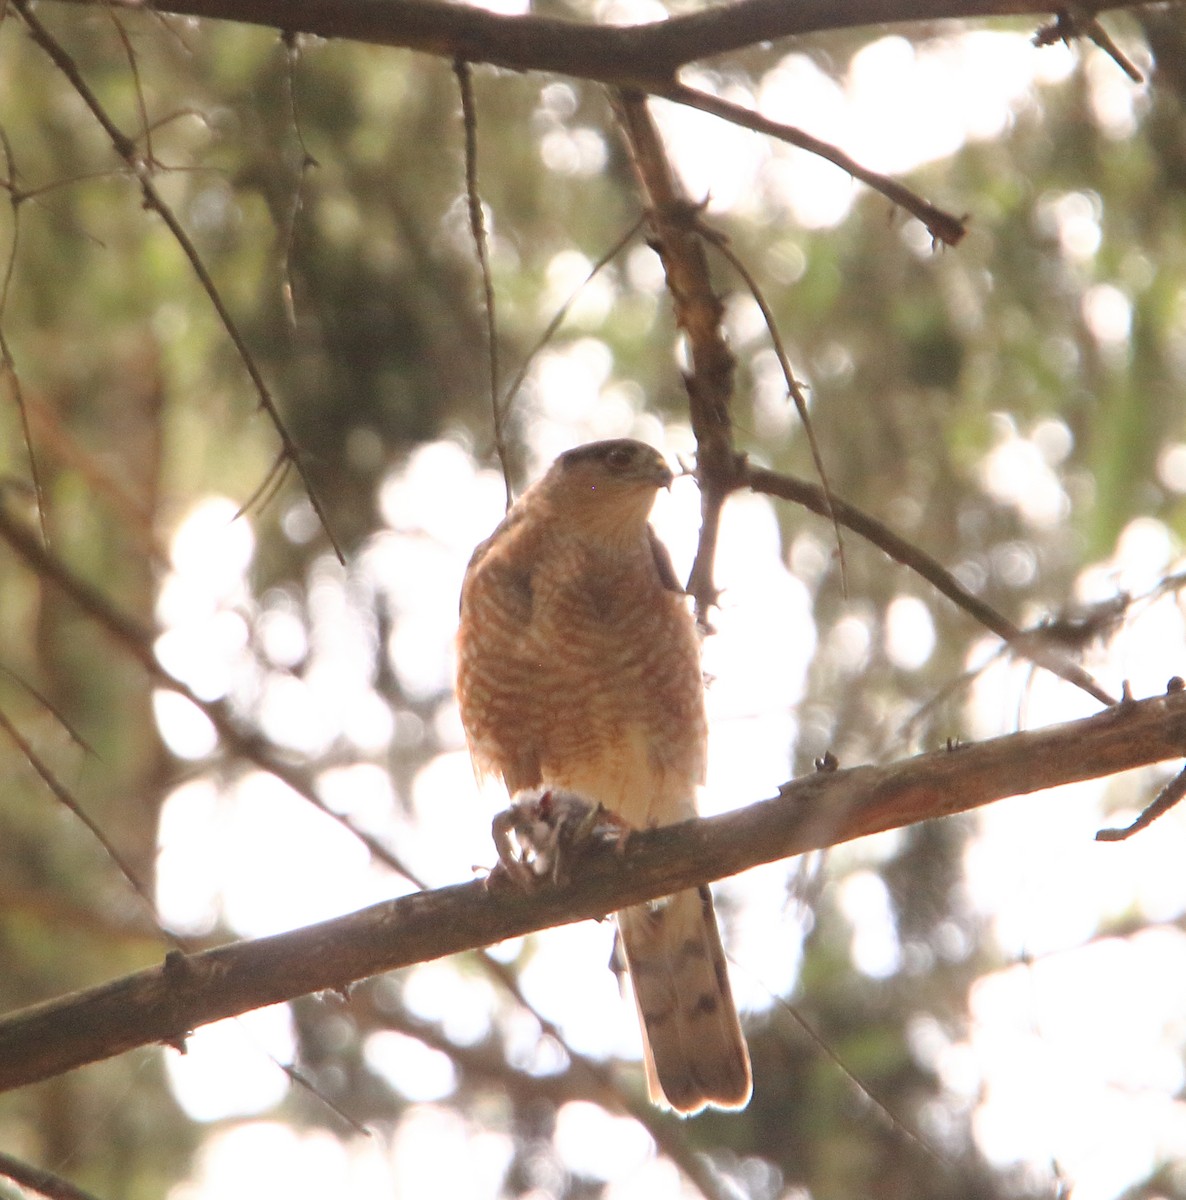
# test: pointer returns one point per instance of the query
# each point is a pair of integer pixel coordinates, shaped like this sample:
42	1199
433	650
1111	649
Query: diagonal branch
1037	649
36	1179
163	1004
137	641
942	226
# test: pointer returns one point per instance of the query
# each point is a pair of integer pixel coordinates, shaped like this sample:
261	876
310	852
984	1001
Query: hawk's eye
619	457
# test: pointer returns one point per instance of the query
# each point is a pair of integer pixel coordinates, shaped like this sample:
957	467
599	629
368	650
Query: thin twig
477	228
8	369
51	708
308	163
1103	39
267	487
794	389
1169	795
943	226
563	311
67	799
893	1120
141	170
787	487
146	127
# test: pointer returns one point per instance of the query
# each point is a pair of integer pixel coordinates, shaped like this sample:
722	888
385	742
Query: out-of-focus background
998	1001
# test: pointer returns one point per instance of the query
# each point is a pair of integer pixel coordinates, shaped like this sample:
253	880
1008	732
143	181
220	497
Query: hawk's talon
542	833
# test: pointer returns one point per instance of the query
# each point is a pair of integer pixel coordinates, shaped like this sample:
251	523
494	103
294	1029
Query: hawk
579	669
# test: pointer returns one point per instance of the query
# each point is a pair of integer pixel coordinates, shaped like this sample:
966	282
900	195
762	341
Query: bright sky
1073	1060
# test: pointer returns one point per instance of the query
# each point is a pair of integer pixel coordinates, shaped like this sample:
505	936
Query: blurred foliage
322	186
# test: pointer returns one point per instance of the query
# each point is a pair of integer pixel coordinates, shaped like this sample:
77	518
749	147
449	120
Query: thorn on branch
176	968
180	976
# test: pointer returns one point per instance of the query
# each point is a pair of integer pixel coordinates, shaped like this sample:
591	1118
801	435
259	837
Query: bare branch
1031	645
165	1003
636	56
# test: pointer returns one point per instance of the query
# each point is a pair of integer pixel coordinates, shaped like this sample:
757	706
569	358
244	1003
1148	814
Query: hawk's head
607	488
618	466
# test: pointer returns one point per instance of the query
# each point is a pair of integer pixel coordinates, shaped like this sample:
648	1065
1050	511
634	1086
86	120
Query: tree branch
620	55
163	1004
675	237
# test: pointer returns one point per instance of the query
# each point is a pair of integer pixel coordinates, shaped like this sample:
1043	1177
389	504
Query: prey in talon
546	829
